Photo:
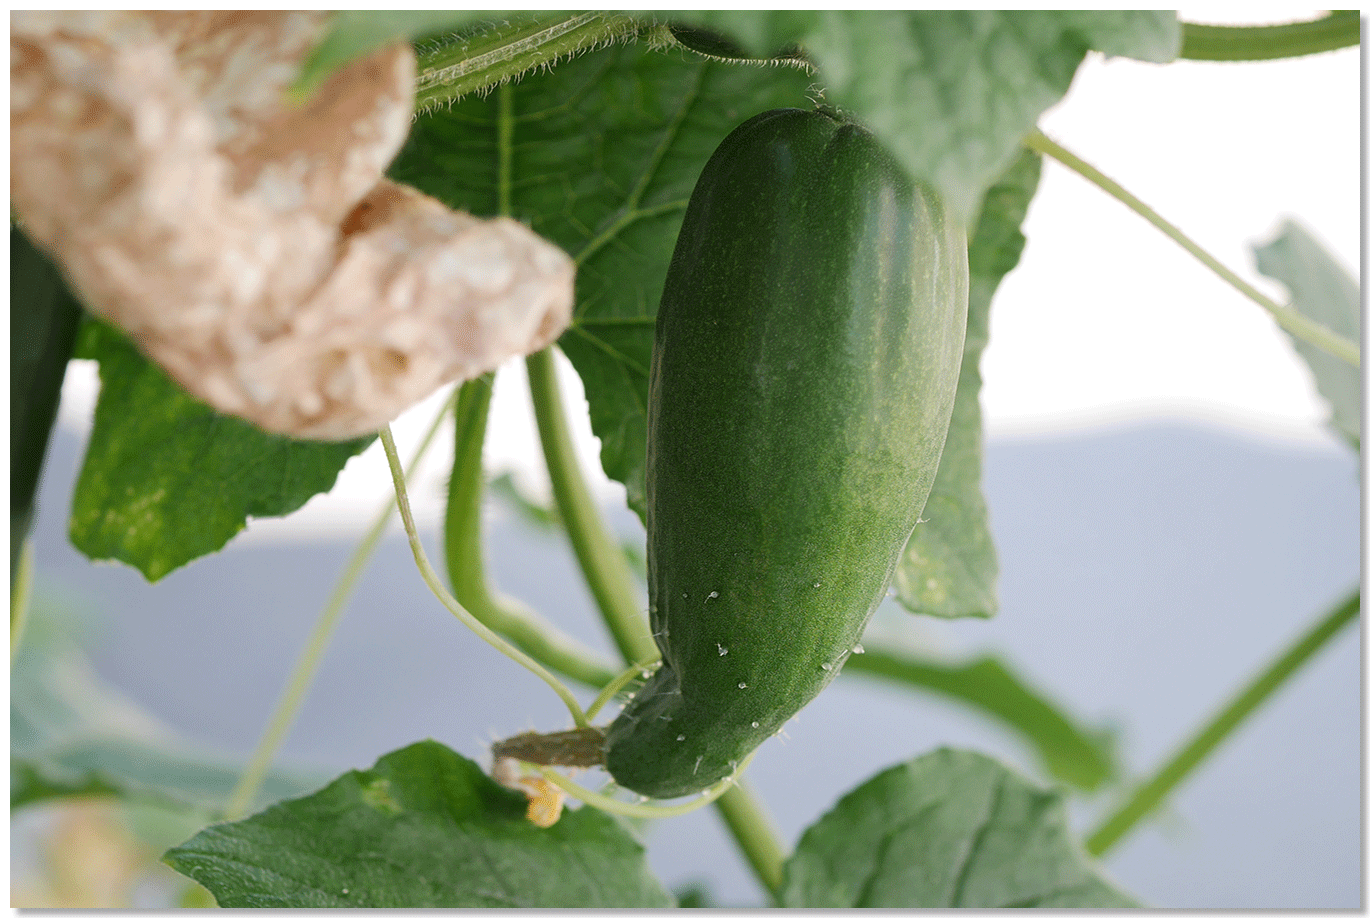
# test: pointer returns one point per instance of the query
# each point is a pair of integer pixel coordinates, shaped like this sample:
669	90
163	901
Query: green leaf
356	33
1322	290
1078	755
1153	36
949	567
951	93
43	320
167	479
602	155
424	828
951	829
74	735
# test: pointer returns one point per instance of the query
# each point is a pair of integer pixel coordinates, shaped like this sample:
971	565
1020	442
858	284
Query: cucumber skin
805	363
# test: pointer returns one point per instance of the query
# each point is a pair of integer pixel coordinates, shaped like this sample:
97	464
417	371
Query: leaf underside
167	479
949	567
1323	291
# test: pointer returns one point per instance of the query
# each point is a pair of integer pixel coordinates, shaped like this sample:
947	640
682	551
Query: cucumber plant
766	212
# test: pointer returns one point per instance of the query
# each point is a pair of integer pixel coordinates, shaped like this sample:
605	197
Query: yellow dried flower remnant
545	800
252	247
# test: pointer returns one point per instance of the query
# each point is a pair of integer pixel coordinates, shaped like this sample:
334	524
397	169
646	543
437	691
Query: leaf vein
963	869
620	358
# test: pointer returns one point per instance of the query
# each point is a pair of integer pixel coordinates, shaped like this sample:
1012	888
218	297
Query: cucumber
807	350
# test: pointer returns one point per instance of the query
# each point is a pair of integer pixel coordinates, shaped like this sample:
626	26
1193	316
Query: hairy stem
1338	29
601	559
755	833
1297	324
430	577
611	689
536	636
490	58
307	664
1151	793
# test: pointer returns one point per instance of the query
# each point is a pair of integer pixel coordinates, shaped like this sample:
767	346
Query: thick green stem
1338	29
466	566
755	834
606	571
493	57
1150	794
430	577
307	664
1297	324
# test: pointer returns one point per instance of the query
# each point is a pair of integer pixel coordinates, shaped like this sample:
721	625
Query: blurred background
1168	507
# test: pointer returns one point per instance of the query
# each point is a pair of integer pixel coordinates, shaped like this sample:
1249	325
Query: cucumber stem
611	689
532	633
430	577
1294	322
602	562
307	664
1338	29
755	833
1152	792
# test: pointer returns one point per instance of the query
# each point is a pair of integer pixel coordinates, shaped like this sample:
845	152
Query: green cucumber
805	363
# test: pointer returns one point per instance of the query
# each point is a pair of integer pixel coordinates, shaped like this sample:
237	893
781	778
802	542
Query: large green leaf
424	828
167	479
951	93
43	320
949	567
951	829
601	156
1322	290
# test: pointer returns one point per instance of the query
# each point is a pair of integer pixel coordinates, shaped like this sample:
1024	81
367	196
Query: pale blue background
1147	570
